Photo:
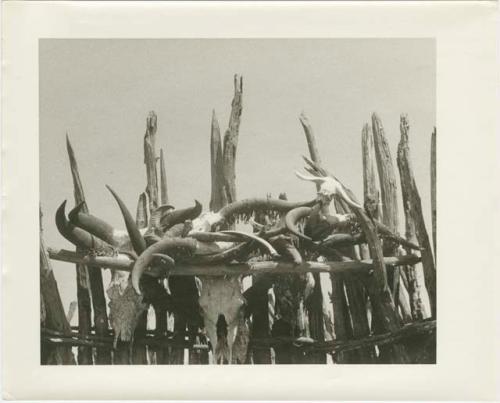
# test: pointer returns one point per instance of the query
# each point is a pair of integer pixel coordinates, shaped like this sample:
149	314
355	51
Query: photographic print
237	201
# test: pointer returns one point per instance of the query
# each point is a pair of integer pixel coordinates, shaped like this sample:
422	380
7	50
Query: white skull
221	297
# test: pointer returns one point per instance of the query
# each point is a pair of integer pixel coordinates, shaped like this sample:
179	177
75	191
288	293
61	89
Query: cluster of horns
194	237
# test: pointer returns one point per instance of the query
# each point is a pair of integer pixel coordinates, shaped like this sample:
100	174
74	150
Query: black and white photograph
237	201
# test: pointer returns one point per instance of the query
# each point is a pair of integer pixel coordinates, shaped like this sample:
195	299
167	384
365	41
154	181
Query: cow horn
136	238
172	217
256	238
293	217
78	236
92	224
315	179
248	206
163	246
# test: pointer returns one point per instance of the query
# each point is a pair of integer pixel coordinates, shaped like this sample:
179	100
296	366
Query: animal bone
221	301
330	187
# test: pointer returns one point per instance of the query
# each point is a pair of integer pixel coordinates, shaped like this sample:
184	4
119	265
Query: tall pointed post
103	355
217	198
315	301
433	191
163	180
411	197
231	140
53	316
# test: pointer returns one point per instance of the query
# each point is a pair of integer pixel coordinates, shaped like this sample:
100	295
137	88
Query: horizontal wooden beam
421	328
125	263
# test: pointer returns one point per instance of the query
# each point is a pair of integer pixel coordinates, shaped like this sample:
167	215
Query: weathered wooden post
103	355
315	302
52	310
433	191
412	200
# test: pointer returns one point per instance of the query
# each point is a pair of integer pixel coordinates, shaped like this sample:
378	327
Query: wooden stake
53	311
411	198
315	303
163	180
96	285
150	161
217	199
387	179
231	140
433	190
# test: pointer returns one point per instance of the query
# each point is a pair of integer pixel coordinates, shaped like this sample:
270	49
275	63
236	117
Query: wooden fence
377	312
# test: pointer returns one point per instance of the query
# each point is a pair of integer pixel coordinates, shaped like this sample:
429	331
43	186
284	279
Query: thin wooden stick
103	356
412	198
163	180
433	190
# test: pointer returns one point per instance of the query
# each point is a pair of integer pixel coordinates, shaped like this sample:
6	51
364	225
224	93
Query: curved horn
248	206
293	217
165	245
172	217
316	179
136	238
343	193
77	236
225	255
256	238
167	259
92	224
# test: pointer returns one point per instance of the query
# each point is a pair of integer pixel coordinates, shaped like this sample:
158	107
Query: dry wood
141	217
218	199
103	356
163	180
390	217
433	190
411	197
371	188
387	176
231	140
54	316
315	302
408	331
415	329
150	161
125	263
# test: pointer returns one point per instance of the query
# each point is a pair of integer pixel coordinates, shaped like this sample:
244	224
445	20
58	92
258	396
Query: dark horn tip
72	215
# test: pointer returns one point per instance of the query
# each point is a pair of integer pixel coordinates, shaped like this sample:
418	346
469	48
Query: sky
100	91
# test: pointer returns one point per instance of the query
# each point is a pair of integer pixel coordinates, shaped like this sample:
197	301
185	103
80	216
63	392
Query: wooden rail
126	264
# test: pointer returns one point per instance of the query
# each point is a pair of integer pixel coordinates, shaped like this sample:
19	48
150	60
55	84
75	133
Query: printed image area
237	201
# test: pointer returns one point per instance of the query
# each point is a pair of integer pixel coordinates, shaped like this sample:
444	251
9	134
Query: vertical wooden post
231	140
139	353
53	316
433	190
371	188
141	217
217	199
163	180
103	355
150	161
412	199
315	303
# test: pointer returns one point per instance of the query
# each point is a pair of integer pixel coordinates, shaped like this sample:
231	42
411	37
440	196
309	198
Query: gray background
100	91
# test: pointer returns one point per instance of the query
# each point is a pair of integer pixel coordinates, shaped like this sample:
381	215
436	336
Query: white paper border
467	78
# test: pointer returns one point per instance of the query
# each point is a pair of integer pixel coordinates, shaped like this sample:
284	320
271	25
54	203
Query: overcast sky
100	92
